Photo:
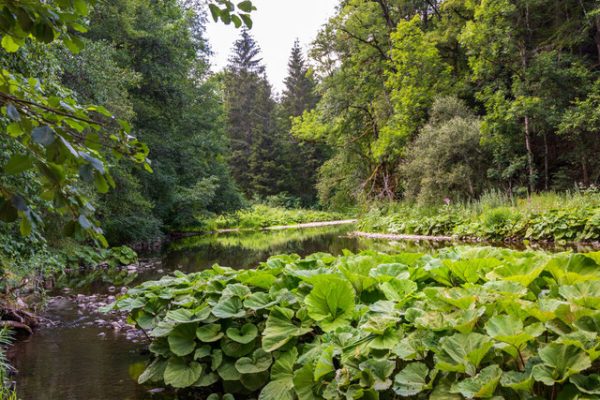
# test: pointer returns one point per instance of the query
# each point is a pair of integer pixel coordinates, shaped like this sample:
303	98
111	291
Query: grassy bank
548	217
262	216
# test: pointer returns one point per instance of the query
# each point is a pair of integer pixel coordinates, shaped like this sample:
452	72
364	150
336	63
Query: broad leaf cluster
463	323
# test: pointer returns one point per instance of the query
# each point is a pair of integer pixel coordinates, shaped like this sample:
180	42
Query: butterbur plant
461	323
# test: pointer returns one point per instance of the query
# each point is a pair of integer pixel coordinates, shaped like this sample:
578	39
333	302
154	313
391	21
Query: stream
80	355
84	355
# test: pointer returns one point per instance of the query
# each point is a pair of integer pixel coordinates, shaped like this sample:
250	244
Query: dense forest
417	100
431	99
217	141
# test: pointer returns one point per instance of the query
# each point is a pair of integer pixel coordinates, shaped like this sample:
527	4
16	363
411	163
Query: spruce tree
305	158
255	143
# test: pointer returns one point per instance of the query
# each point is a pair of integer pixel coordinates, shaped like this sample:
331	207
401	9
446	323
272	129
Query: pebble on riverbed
86	307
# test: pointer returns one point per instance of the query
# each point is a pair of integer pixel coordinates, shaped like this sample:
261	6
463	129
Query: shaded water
76	361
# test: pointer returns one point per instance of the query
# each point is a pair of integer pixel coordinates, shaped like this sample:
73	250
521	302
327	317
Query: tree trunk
597	37
530	165
584	170
546	163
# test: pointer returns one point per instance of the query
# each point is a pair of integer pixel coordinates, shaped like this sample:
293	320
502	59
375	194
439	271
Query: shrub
446	159
473	322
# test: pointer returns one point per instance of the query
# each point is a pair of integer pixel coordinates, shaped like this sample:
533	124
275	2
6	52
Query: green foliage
84	256
527	69
61	140
262	216
230	12
178	113
446	158
300	328
256	160
6	338
543	218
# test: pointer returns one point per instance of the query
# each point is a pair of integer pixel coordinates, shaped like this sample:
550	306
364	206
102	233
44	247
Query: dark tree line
265	158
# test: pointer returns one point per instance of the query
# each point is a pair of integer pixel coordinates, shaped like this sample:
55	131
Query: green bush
463	323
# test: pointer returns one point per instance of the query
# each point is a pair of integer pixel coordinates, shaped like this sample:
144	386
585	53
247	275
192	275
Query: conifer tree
305	158
255	143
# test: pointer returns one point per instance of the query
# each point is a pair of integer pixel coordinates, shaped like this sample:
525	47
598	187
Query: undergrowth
545	217
263	216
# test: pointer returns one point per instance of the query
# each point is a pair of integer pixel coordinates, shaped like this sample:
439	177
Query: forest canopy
115	126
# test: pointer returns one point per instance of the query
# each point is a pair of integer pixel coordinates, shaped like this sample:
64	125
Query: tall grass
6	391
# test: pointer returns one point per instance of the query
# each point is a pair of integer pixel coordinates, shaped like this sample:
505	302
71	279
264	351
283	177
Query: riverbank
551	218
318	224
261	216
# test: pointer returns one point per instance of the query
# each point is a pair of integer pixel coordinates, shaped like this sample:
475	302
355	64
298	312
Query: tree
255	141
176	107
63	141
446	159
303	157
519	50
365	114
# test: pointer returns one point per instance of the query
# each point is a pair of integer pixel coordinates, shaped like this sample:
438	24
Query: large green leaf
569	269
398	289
254	381
281	386
412	380
523	271
588	384
585	294
207	380
209	333
154	372
559	362
509	329
481	386
236	290
234	349
280	329
330	302
324	362
229	307
185	316
261	279
259	301
471	270
357	270
377	372
387	272
181	374
228	372
259	361
245	334
182	339
304	385
462	352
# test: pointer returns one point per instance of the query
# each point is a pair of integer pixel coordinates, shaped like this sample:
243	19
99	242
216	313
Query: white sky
277	23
